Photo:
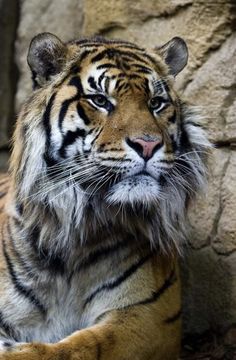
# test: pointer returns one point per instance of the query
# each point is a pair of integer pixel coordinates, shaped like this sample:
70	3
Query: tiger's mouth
147	173
110	180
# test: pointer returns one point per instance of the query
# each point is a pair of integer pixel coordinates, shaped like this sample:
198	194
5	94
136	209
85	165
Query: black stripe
98	345
162	180
86	53
174	144
107	66
23	290
138	86
54	262
189	122
184	139
46	117
145	85
4	181
7	327
110	53
113	159
128	46
2	194
75	69
118	82
172	118
174	317
120	87
92	83
142	68
96	136
135	76
132	55
101	253
166	161
75	81
70	138
19	208
120	279
101	77
102	149
101	55
101	41
64	108
157	294
82	114
27	268
47	127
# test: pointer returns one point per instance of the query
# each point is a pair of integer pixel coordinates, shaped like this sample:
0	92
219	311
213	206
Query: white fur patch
139	189
6	345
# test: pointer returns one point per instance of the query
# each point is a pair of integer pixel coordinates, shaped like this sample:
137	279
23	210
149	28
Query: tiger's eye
100	100
155	102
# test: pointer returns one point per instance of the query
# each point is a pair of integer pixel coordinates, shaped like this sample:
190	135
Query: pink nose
145	148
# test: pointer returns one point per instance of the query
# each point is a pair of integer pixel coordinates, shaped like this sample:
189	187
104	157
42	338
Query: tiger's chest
75	302
62	301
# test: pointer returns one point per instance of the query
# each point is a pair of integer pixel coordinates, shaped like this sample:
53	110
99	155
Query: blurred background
209	28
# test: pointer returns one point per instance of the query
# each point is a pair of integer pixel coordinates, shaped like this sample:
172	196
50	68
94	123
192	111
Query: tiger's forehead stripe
122	64
97	43
111	53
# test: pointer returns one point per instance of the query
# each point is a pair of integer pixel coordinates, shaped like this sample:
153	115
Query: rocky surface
209	266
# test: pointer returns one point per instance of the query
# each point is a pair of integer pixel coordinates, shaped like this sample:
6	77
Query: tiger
106	159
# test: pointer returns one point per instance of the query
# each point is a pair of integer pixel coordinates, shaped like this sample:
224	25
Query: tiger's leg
149	330
127	334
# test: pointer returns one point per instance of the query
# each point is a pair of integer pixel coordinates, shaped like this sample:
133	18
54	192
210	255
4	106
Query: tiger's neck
64	229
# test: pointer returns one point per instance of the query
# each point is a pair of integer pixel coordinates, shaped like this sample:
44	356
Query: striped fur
90	228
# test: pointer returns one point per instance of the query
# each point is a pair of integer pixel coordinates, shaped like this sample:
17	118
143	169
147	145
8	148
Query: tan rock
225	240
4	158
209	289
106	16
204	213
230	336
213	89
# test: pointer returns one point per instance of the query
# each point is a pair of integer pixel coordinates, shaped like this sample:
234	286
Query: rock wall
8	74
209	268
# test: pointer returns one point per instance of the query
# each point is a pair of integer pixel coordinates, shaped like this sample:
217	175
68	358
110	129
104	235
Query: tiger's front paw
10	350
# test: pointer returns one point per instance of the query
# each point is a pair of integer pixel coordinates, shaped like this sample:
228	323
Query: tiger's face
112	122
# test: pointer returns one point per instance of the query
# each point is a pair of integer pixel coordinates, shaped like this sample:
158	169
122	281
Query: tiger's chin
136	190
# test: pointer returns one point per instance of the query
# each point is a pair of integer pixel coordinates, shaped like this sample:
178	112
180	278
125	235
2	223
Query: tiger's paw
10	350
6	345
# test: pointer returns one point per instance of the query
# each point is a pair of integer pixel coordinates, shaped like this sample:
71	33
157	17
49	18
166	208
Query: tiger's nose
145	146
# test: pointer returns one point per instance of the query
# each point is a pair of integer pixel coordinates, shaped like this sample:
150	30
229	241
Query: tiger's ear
46	57
175	54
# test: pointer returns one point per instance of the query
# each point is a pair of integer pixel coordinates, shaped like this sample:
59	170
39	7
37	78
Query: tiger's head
105	122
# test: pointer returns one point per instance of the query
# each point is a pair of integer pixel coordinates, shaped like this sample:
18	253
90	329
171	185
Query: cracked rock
204	213
225	239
